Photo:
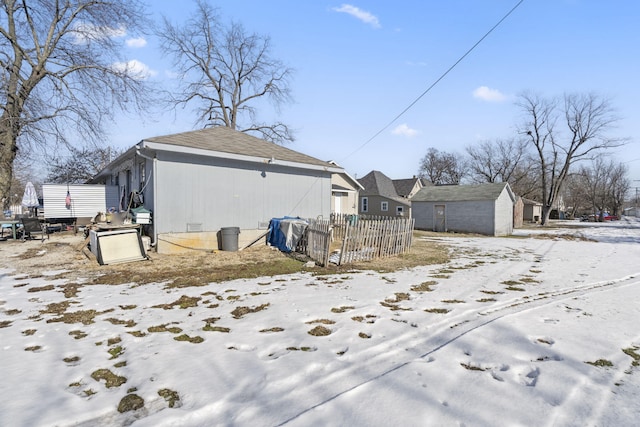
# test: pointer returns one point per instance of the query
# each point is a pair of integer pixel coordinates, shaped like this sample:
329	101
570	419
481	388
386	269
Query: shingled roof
225	140
460	193
376	183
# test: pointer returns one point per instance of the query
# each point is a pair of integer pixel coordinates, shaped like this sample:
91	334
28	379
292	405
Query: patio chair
32	226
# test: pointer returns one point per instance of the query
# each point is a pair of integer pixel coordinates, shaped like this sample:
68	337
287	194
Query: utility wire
437	80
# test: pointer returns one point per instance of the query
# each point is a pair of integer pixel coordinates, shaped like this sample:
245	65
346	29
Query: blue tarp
285	233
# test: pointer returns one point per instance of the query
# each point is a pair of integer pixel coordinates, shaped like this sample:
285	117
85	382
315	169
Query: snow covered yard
536	329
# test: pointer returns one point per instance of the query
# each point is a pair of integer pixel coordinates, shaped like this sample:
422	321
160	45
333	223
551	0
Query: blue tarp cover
285	233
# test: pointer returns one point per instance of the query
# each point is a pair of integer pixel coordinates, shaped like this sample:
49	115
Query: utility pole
635	207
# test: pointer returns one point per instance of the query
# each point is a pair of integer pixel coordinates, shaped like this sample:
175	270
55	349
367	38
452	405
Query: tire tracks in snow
447	331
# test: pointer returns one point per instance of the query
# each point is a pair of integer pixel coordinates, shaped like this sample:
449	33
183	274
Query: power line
437	80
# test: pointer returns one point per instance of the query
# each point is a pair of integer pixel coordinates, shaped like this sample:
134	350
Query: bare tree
504	160
61	72
80	165
227	73
606	185
442	168
587	119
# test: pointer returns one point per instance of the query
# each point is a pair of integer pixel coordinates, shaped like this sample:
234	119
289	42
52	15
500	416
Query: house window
365	204
384	206
399	210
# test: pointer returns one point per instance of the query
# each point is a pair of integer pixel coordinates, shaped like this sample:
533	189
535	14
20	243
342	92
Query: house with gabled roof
408	187
379	197
482	208
345	191
198	183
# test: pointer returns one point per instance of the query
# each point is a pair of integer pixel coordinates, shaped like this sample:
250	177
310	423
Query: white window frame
384	206
399	210
364	204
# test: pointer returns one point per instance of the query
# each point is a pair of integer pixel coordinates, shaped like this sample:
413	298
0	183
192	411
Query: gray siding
375	206
463	217
211	193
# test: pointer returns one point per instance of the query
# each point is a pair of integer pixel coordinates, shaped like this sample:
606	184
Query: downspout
155	193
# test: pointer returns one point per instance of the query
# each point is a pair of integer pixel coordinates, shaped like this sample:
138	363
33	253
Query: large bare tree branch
59	76
227	74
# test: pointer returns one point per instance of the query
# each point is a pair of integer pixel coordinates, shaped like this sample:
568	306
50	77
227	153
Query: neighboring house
483	208
532	210
379	197
344	193
197	183
408	187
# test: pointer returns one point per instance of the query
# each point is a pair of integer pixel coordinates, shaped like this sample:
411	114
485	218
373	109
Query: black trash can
229	238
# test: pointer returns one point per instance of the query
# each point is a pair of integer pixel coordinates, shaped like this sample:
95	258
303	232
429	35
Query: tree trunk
8	150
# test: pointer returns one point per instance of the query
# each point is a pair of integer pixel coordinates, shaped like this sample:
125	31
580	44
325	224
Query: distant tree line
559	152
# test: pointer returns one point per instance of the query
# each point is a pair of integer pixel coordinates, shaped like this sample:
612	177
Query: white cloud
404	130
136	69
360	14
85	32
487	94
137	42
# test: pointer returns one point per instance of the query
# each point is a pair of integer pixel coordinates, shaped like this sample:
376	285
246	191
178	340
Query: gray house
532	210
197	183
379	197
483	208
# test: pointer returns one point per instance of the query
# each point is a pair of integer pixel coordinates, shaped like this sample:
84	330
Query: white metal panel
86	200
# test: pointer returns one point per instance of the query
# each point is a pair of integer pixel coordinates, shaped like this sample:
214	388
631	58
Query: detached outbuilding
200	184
483	208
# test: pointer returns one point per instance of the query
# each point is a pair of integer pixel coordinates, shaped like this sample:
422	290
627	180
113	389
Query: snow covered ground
525	330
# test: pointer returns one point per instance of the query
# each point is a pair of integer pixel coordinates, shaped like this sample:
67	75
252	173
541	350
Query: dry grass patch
319	331
437	310
172	397
209	328
239	312
110	379
183	302
399	296
321	321
41	288
83	316
163	328
274	329
192	340
424	286
342	309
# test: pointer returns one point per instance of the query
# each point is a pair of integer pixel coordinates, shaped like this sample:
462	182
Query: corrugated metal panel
224	193
86	200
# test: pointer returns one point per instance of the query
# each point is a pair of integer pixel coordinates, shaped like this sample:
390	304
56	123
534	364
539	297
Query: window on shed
384	206
399	210
365	204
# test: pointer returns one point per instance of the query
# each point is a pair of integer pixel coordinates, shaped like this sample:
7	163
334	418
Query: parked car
606	216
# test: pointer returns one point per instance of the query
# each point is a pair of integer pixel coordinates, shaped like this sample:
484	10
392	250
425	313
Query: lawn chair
32	226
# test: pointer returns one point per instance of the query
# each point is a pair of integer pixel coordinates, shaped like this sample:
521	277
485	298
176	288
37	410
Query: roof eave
154	146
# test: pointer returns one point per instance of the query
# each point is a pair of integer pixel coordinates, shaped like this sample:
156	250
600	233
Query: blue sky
360	64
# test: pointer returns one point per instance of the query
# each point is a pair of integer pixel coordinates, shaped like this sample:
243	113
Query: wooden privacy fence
363	239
